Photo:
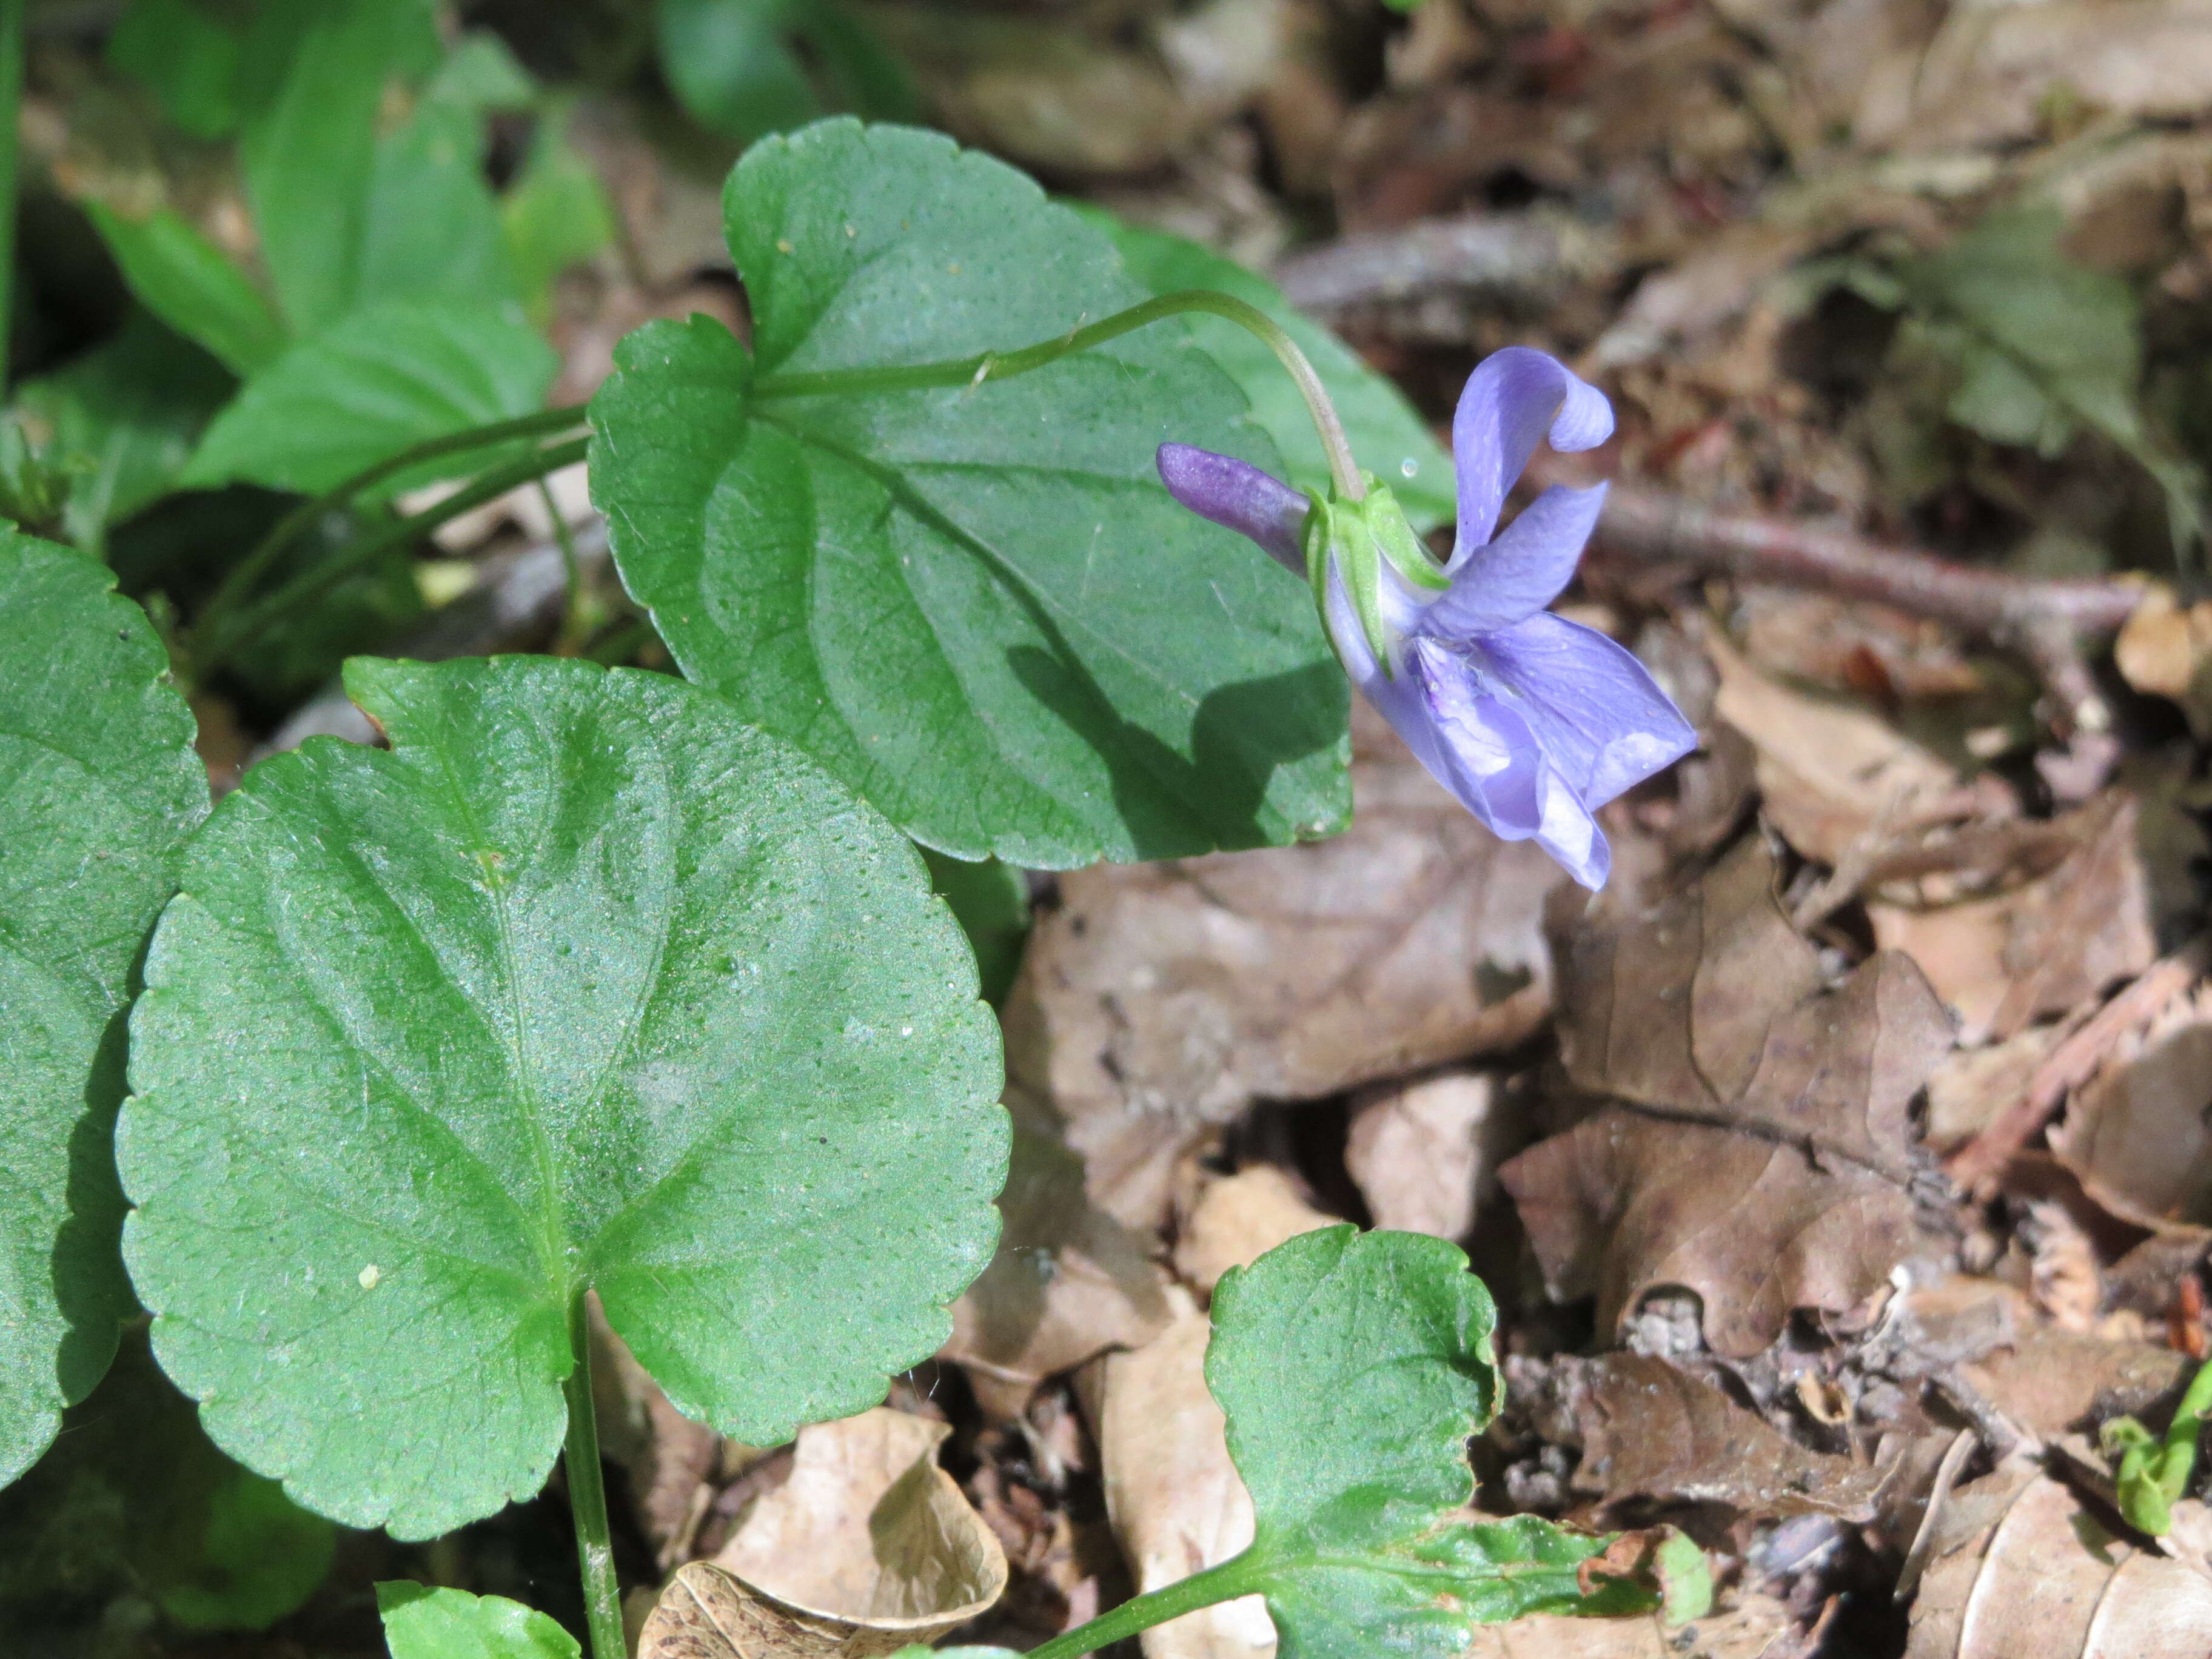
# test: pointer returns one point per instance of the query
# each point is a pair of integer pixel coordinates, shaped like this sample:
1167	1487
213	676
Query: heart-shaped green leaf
422	1623
366	388
583	984
975	604
101	787
1352	1368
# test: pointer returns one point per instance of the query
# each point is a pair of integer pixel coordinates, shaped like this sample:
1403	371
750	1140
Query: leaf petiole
217	645
1005	365
1226	1583
238	585
588	1498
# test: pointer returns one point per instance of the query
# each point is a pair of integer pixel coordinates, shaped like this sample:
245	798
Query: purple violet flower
1533	722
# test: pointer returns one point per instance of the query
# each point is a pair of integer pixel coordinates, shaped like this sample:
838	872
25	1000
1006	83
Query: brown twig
2072	1062
1419	281
2046	621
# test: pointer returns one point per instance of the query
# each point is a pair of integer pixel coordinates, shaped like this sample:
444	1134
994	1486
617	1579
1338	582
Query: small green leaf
185	58
189	283
974	603
1387	433
583	984
370	387
728	66
481	76
556	215
313	77
422	1623
1352	1368
121	421
257	1557
102	787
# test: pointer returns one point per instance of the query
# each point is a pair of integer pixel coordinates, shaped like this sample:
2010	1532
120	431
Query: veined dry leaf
2139	1134
1067	1283
2041	1578
1786	1186
1425	1153
1160	999
868	1547
1176	1500
1834	778
1239	1219
1753	1627
2046	946
1649	1430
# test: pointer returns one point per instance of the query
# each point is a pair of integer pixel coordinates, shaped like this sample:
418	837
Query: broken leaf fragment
868	1547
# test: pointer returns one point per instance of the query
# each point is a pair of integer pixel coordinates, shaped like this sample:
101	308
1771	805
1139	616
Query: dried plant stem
2045	621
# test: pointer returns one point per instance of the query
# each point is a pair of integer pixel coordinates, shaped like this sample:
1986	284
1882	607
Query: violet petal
1238	496
1597	712
1513	397
1511	578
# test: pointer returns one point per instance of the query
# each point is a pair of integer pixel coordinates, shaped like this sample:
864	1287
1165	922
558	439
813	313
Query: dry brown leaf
1970	1086
1160	1000
2046	946
1176	1500
2139	1134
2166	651
868	1546
1835	779
1649	1429
2050	1381
1754	1627
2042	1578
1788	1188
1068	1282
1425	1154
1239	1219
1991	71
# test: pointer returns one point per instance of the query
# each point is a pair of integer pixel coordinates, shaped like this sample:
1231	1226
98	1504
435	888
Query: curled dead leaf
868	1547
1763	1158
1239	1219
2139	1134
1424	1153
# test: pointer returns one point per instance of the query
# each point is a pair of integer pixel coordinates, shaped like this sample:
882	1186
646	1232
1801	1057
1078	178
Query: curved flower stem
245	576
1005	365
588	1499
1224	1582
218	645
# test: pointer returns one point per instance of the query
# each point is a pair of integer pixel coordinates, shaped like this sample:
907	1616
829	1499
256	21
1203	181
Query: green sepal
1359	535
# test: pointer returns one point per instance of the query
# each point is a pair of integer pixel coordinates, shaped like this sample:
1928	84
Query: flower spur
1531	720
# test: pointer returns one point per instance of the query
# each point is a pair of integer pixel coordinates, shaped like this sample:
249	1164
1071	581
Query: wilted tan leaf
1649	1429
1160	1000
2166	651
1787	1187
1991	70
2049	1380
2042	1579
1754	1627
868	1546
2046	946
1424	1153
1176	1500
2140	1133
1239	1219
1068	1282
1833	777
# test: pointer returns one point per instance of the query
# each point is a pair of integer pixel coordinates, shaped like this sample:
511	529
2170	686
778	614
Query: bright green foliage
121	422
422	1623
2153	1474
2043	346
191	284
369	388
1387	433
975	604
187	58
732	64
101	787
1352	1368
584	984
556	215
